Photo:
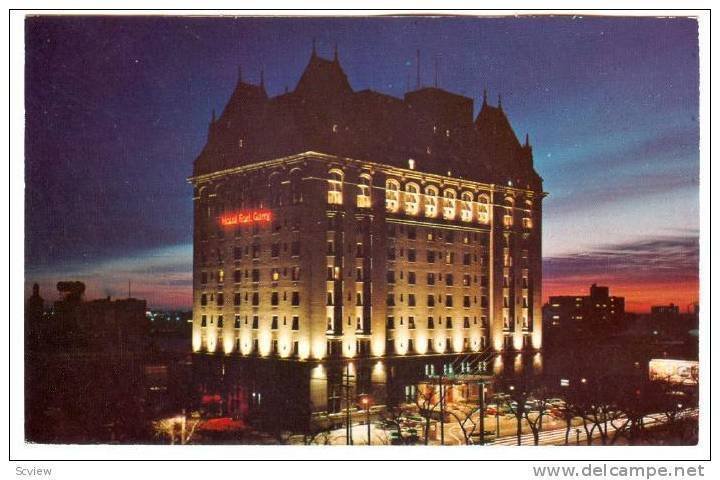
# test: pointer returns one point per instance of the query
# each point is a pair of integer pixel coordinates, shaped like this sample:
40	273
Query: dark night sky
117	109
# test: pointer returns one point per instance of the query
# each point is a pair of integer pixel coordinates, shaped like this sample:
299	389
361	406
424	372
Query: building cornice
405	173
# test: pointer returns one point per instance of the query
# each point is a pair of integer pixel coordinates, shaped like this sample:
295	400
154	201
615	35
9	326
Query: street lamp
366	405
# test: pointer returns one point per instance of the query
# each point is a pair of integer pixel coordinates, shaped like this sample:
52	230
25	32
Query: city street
553	432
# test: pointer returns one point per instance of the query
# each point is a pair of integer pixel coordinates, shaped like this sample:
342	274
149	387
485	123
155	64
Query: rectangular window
483	301
221	322
255	251
391	276
203	299
448	300
466	280
295	301
295	248
255	299
390	323
411	300
203	321
411	255
359	274
467	259
431	323
274	299
256	322
295	273
466	322
237	321
448	323
411	278
236	299
449	257
431	300
431	279
220	299
296	323
390	299
391	253
449	279
483	281
411	323
274	323
466	301
431	256
237	276
275	250
255	275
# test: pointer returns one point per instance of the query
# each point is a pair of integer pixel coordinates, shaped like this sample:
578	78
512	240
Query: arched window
483	209
363	197
466	207
392	195
508	217
335	187
449	199
527	215
412	199
431	201
296	195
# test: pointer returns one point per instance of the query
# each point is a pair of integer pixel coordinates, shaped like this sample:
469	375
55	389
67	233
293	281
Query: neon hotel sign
245	217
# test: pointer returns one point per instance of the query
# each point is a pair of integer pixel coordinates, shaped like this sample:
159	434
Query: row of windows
252	275
433	300
432	256
431	278
274	322
390	322
412	232
252	298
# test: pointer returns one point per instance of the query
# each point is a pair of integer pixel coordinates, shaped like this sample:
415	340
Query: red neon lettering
245	217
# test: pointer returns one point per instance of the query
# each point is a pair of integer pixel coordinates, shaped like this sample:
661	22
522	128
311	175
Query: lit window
335	184
392	195
466	213
412	199
411	164
431	201
449	204
363	197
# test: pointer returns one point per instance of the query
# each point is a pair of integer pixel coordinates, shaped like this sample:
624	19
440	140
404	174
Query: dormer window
335	128
411	164
447	133
240	143
428	150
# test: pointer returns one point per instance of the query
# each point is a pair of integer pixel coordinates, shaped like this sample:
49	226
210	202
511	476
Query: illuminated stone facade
333	223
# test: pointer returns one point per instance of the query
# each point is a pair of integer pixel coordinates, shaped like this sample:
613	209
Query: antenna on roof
436	72
335	56
527	139
500	101
484	96
262	77
239	73
313	50
417	80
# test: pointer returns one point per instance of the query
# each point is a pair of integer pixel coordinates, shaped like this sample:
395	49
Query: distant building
74	325
568	318
665	312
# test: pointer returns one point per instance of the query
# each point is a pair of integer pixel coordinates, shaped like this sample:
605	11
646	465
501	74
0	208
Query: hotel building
333	223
